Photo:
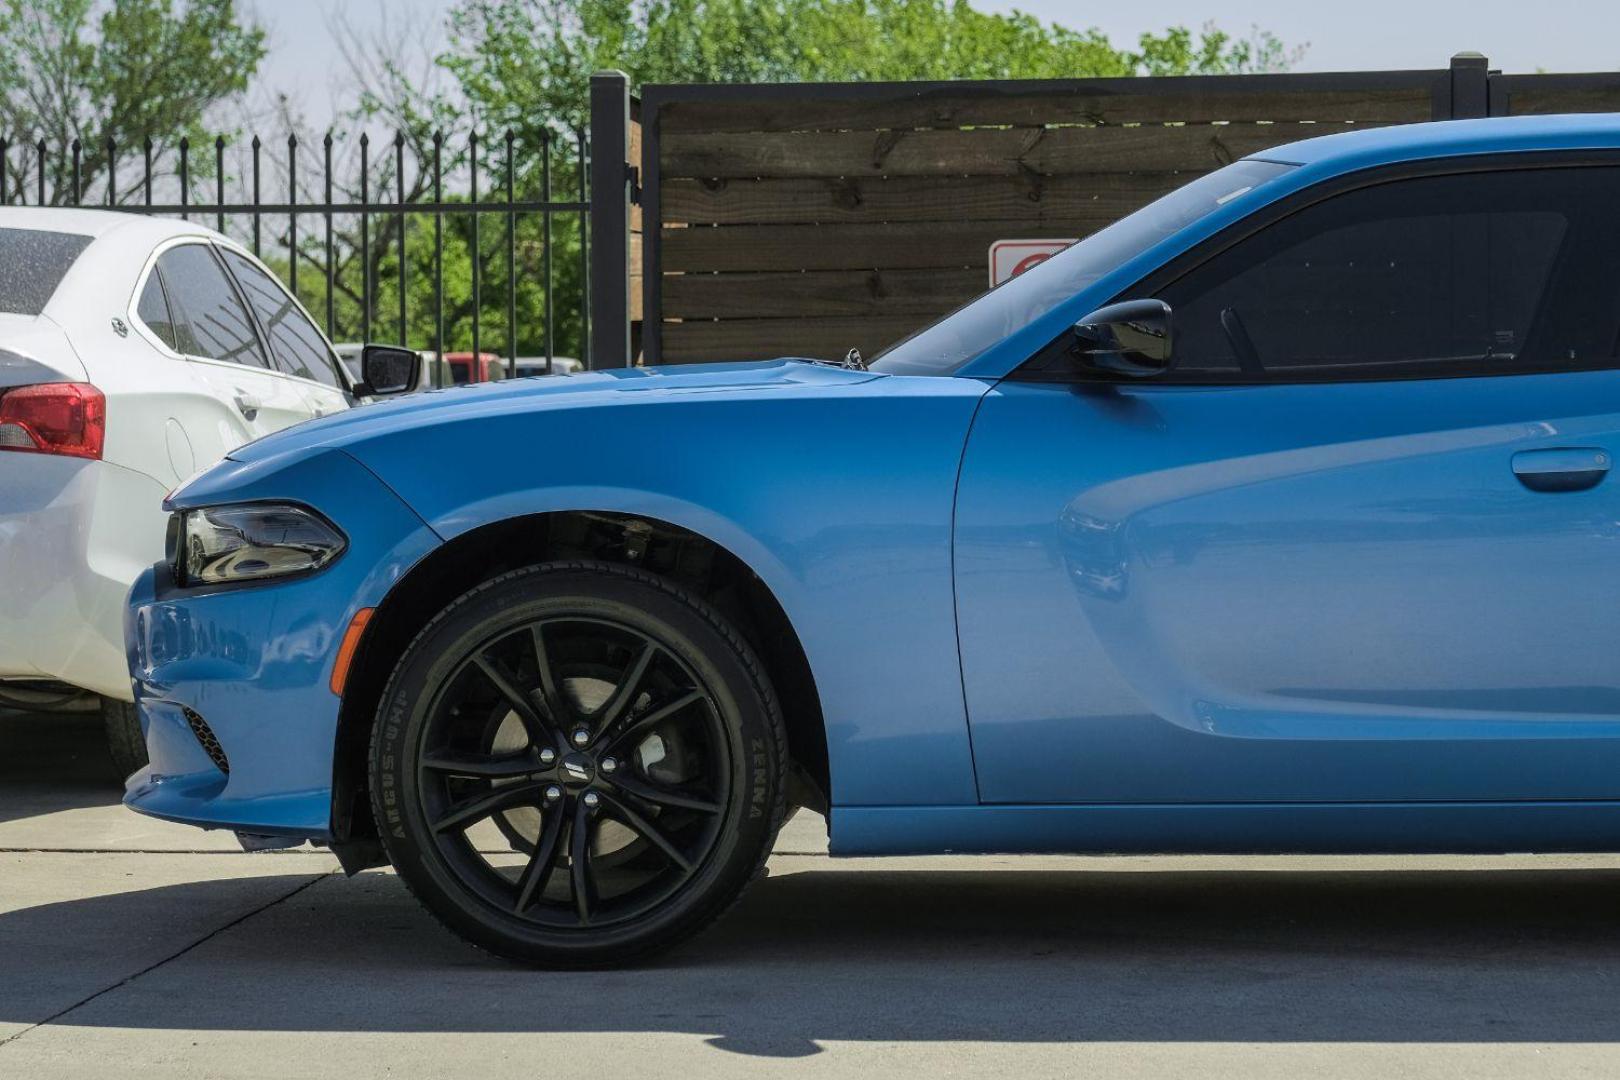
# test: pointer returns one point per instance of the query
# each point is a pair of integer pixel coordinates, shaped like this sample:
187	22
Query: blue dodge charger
1274	517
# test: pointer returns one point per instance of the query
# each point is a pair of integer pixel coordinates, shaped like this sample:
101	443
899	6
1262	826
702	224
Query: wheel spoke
663	796
624	695
544	860
540	733
650	833
471	811
488	766
634	729
556	704
579	871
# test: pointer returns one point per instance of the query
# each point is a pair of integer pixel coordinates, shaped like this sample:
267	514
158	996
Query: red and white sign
1009	258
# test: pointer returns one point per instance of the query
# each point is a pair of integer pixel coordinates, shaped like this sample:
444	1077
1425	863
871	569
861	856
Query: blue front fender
255	662
839	498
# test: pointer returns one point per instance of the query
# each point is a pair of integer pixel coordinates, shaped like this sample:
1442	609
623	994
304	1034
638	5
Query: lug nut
553	793
591	799
547	756
581	737
609	764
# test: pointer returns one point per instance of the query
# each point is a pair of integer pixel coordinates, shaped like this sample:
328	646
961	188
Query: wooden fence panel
1122	101
637	282
1525	97
997	151
873	246
807	220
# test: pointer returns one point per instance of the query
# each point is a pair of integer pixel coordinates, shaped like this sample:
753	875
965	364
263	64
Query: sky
1551	35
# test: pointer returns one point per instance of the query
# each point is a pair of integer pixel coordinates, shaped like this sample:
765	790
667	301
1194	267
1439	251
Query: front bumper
254	662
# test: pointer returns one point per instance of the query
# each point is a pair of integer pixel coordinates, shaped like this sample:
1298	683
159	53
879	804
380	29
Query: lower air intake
209	741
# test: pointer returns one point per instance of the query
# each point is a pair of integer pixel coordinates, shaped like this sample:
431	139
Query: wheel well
695	561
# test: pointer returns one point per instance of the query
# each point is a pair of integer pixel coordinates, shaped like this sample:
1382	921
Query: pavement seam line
126	980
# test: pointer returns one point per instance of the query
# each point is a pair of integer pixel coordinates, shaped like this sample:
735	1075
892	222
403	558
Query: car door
1360	545
213	329
298	350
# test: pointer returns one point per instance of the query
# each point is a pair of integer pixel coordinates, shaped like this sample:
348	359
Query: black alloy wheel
575	764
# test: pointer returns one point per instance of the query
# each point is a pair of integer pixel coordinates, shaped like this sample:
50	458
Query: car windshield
33	263
946	345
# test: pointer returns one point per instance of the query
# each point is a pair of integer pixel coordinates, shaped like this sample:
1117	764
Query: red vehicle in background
465	368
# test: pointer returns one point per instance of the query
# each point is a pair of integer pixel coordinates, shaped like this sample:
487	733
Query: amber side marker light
351	642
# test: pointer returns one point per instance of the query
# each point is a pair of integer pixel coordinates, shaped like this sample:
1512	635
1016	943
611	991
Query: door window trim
336	362
213	243
1050	363
162	346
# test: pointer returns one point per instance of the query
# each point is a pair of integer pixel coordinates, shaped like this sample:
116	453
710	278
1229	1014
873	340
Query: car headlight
250	542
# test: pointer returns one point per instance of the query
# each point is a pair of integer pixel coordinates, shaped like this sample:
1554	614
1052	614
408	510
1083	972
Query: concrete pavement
135	948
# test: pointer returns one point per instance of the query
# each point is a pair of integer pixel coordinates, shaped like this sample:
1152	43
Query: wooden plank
820	292
633	159
1097	197
1012	103
974	151
763	339
1548	100
963	243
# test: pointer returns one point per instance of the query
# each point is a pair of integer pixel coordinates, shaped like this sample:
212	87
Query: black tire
697	789
125	744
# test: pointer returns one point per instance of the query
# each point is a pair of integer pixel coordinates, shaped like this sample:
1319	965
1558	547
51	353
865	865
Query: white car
134	351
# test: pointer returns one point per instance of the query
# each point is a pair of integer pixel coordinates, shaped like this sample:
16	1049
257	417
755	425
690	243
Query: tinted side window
209	319
296	347
1470	274
153	309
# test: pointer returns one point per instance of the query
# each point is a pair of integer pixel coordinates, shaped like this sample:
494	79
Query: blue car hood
611	388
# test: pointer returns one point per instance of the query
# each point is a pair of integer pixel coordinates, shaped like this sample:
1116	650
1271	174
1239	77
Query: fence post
1470	86
610	220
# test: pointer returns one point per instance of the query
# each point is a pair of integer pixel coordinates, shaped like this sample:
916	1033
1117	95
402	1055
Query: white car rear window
32	264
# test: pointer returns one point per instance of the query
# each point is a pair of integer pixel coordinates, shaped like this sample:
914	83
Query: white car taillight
69	419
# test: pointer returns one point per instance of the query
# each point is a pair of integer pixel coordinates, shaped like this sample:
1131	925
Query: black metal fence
360	238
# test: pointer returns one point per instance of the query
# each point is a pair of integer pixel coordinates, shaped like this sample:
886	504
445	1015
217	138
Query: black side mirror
1130	338
386	370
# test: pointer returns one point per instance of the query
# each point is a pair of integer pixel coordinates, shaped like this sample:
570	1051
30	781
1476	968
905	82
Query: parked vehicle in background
458	369
133	351
1275	517
464	369
529	366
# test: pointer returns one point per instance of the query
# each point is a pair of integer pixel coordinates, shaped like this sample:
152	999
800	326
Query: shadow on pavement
53	761
880	954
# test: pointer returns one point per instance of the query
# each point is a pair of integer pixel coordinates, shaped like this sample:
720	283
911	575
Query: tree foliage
125	70
516	60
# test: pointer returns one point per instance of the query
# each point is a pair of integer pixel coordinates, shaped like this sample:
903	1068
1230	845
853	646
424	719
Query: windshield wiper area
851	362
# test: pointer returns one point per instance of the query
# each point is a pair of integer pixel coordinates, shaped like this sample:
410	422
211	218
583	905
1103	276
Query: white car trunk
33	349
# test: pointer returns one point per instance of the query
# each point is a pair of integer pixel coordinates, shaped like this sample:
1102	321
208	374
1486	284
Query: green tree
125	70
518	60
